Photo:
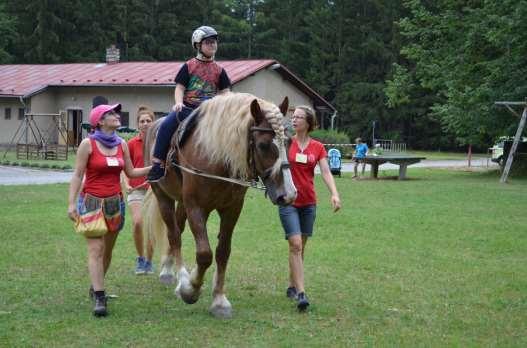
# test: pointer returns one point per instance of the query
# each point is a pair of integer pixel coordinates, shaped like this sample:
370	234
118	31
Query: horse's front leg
189	286
221	307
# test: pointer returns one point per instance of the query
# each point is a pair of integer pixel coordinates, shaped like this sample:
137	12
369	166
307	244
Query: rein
247	183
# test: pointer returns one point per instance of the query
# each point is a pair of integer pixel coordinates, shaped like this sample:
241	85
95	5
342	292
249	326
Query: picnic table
402	160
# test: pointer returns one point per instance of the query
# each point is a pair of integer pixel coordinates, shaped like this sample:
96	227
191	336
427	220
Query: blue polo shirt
360	150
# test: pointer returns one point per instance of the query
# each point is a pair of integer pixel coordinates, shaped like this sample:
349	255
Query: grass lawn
438	260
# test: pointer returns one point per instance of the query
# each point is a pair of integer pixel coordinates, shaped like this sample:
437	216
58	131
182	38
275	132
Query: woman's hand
335	203
73	214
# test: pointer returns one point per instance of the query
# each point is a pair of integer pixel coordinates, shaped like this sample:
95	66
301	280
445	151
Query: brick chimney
112	55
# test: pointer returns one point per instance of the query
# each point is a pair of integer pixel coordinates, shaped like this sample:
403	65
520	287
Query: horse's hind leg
221	307
175	225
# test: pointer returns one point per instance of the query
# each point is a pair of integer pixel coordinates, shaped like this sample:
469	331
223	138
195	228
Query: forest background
423	72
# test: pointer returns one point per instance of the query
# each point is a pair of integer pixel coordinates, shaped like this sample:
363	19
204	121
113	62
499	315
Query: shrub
55	166
6	162
327	136
66	167
34	164
24	164
15	163
44	165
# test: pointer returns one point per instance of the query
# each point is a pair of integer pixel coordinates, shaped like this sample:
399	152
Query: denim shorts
298	220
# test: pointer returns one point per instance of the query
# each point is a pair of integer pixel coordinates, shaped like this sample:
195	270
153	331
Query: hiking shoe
291	292
303	302
149	268
100	307
156	173
140	265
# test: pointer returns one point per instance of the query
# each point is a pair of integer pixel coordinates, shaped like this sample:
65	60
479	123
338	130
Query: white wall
266	84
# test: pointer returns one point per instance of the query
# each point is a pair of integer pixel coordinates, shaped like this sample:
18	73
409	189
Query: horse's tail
154	229
150	140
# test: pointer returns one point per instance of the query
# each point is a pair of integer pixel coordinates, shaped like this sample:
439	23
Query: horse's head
269	153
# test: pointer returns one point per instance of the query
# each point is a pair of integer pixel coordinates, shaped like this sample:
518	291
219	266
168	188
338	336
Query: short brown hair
311	118
143	109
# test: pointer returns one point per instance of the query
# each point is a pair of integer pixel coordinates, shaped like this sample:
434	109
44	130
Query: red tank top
103	173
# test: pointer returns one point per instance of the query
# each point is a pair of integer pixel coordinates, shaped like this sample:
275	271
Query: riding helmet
202	33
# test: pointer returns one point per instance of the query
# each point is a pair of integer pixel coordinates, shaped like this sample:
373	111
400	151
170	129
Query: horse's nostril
281	200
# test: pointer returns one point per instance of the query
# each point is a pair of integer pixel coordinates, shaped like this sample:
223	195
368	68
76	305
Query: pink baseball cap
98	111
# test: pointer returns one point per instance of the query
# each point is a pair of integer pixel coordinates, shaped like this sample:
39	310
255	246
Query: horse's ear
256	111
284	106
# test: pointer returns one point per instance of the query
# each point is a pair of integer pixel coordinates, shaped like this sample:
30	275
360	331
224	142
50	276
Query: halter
267	172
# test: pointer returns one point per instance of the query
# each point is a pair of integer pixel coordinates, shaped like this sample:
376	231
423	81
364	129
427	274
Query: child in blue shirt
361	150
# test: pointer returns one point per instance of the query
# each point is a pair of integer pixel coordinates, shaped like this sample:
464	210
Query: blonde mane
222	132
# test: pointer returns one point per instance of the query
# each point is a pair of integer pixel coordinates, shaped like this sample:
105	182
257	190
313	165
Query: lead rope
251	184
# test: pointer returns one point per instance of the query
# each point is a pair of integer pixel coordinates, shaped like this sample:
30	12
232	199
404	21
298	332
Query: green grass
441	156
11	156
438	260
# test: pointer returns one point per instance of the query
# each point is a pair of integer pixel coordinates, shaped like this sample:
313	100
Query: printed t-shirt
202	81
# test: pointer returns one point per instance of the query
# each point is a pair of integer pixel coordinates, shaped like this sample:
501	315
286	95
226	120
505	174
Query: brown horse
236	136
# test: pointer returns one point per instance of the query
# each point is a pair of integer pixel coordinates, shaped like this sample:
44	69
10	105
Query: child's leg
164	135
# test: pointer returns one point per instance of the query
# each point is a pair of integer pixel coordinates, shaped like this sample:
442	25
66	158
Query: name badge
112	162
301	158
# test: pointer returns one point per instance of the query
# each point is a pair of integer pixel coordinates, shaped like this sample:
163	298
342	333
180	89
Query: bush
34	165
66	167
327	136
24	164
6	162
55	166
15	164
44	166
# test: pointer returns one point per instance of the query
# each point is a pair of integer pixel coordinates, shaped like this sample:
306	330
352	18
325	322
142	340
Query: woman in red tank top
100	159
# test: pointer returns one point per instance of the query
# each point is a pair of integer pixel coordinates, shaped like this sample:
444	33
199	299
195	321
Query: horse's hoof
167	278
221	312
189	297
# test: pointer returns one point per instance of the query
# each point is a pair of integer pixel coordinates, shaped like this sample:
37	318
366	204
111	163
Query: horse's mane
222	131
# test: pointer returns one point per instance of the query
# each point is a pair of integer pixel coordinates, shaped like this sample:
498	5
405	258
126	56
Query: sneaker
156	173
149	268
291	292
140	265
303	302
100	307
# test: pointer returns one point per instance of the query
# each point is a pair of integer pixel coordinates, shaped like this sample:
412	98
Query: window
21	112
125	118
7	113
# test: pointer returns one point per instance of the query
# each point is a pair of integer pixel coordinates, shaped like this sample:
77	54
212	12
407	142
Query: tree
469	54
8	35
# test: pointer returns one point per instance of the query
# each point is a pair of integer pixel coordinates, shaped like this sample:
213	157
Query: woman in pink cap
100	159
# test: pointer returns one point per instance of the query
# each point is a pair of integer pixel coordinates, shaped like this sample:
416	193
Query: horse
236	138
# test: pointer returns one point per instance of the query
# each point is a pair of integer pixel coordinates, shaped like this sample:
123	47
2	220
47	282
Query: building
42	90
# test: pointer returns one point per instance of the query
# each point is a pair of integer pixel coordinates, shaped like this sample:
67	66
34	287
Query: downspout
333	119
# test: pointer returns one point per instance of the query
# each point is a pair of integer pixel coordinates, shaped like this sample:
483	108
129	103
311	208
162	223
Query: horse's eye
264	146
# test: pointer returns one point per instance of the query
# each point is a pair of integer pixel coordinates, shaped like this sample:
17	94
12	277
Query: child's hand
178	107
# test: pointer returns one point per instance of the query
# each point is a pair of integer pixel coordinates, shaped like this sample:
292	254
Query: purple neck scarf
108	140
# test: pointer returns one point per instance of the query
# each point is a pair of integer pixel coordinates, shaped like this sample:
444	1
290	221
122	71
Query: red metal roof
25	79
